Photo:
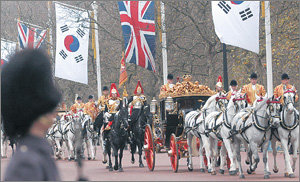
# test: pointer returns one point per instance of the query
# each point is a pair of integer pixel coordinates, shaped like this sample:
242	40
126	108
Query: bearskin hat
28	91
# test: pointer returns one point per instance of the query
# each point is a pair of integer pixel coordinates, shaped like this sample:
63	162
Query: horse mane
209	101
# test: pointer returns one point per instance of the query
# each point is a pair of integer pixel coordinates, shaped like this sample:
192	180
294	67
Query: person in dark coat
29	98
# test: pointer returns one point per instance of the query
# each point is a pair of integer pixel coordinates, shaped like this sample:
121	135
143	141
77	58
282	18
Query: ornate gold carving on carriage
169	113
187	88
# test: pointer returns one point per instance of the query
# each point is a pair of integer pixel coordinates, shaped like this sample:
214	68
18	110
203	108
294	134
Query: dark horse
117	137
138	132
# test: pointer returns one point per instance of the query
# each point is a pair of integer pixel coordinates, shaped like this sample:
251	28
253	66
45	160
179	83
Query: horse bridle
234	102
270	107
221	104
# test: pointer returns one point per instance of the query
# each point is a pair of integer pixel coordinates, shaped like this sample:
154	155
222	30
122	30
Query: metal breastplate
113	106
138	102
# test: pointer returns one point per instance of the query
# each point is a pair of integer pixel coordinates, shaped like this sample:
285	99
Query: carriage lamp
153	105
169	104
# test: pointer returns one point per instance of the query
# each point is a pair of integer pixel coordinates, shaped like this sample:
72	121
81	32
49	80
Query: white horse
288	132
69	136
253	126
195	126
220	125
89	137
55	135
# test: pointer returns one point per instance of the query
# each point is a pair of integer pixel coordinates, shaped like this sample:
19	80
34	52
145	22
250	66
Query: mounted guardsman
253	88
279	90
136	102
102	108
90	108
219	86
77	106
113	105
233	89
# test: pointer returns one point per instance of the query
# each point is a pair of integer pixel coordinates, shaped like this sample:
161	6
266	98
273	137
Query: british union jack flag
30	37
138	25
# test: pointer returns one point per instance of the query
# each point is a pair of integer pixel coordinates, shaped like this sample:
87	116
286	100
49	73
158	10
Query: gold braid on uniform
138	99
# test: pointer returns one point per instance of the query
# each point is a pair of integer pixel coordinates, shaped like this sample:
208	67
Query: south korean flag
72	41
237	23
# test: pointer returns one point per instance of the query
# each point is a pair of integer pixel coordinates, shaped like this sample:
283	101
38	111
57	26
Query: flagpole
268	49
225	72
50	30
95	9
164	42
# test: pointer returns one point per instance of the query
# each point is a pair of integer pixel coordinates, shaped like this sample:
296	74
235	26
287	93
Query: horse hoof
269	173
232	172
247	162
286	174
141	165
213	173
107	167
104	162
69	159
275	170
89	158
121	170
202	170
132	161
242	176
110	169
291	175
209	171
4	157
249	171
221	171
115	168
191	169
266	176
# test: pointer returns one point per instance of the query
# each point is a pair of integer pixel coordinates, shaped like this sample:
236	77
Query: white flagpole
164	42
268	49
95	8
50	30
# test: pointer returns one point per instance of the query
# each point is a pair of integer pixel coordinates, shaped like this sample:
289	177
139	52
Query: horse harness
256	124
289	128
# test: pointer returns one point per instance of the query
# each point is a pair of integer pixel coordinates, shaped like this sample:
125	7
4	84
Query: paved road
95	170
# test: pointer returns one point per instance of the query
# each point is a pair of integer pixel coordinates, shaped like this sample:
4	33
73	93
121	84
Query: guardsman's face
219	88
79	101
234	88
170	81
91	100
114	96
105	92
285	81
253	81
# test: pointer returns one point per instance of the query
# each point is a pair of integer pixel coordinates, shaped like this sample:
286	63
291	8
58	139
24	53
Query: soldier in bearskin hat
28	102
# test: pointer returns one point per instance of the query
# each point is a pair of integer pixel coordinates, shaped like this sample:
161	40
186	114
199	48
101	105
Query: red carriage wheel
149	148
173	152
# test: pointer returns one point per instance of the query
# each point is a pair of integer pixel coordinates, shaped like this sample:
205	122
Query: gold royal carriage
166	132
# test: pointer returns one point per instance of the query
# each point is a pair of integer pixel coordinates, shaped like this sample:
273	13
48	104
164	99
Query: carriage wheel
149	148
174	153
